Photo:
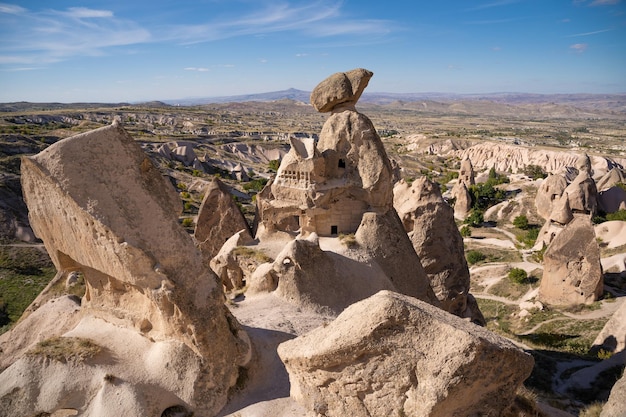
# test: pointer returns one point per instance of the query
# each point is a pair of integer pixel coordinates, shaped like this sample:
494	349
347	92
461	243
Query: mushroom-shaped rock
339	88
395	355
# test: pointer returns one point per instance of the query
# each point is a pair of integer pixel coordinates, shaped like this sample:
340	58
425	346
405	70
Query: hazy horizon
119	51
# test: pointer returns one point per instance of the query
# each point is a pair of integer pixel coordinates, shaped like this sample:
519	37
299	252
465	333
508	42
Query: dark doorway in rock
342	163
333	230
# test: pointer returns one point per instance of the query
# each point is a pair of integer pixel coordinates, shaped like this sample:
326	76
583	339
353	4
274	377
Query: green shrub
274	165
521	222
255	185
618	215
534	171
187	222
475	219
518	275
466	231
474	256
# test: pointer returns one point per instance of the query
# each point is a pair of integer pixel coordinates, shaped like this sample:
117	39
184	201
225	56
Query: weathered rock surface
614	407
218	219
324	281
572	273
325	188
339	88
395	355
581	193
611	179
437	241
612	337
466	172
462	200
504	157
612	199
549	191
102	208
225	264
384	241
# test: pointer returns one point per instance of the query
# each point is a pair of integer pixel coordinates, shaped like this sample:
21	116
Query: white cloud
196	69
11	8
579	47
84	13
589	33
604	2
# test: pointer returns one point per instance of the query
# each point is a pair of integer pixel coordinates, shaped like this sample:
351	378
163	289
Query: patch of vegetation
251	253
466	231
534	171
348	239
255	185
475	218
274	165
521	222
474	256
485	195
618	215
187	222
24	273
64	349
518	275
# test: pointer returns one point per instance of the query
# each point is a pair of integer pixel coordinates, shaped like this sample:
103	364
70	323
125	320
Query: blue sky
130	50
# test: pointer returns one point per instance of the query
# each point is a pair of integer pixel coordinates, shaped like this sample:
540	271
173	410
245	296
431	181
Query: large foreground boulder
572	273
615	406
612	337
394	355
152	310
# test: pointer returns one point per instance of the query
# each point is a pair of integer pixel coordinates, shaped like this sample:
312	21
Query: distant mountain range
615	101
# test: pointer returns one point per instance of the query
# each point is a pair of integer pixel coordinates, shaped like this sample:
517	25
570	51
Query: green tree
274	164
475	219
474	256
518	275
466	231
521	222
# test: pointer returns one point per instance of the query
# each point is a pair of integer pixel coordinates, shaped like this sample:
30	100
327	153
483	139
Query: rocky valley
355	254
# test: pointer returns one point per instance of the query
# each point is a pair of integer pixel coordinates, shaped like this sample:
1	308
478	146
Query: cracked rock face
394	355
103	209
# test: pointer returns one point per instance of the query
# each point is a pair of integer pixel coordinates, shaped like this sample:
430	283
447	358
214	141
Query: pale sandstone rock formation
101	207
466	172
572	273
326	188
324	281
581	193
395	355
611	192
436	239
218	219
549	191
611	179
462	200
614	407
513	158
339	88
612	337
225	264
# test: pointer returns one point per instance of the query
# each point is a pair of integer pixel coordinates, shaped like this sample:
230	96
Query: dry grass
64	349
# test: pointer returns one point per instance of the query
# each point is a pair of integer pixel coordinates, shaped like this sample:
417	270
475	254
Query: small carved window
333	230
342	163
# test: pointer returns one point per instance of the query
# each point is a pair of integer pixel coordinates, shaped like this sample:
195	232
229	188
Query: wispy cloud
39	37
579	47
42	37
595	32
490	5
196	69
604	2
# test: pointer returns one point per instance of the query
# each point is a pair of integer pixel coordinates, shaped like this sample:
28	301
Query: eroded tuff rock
549	191
326	188
225	264
581	193
611	179
436	239
324	281
339	88
218	219
614	407
102	208
612	337
460	191
611	191
395	355
572	273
